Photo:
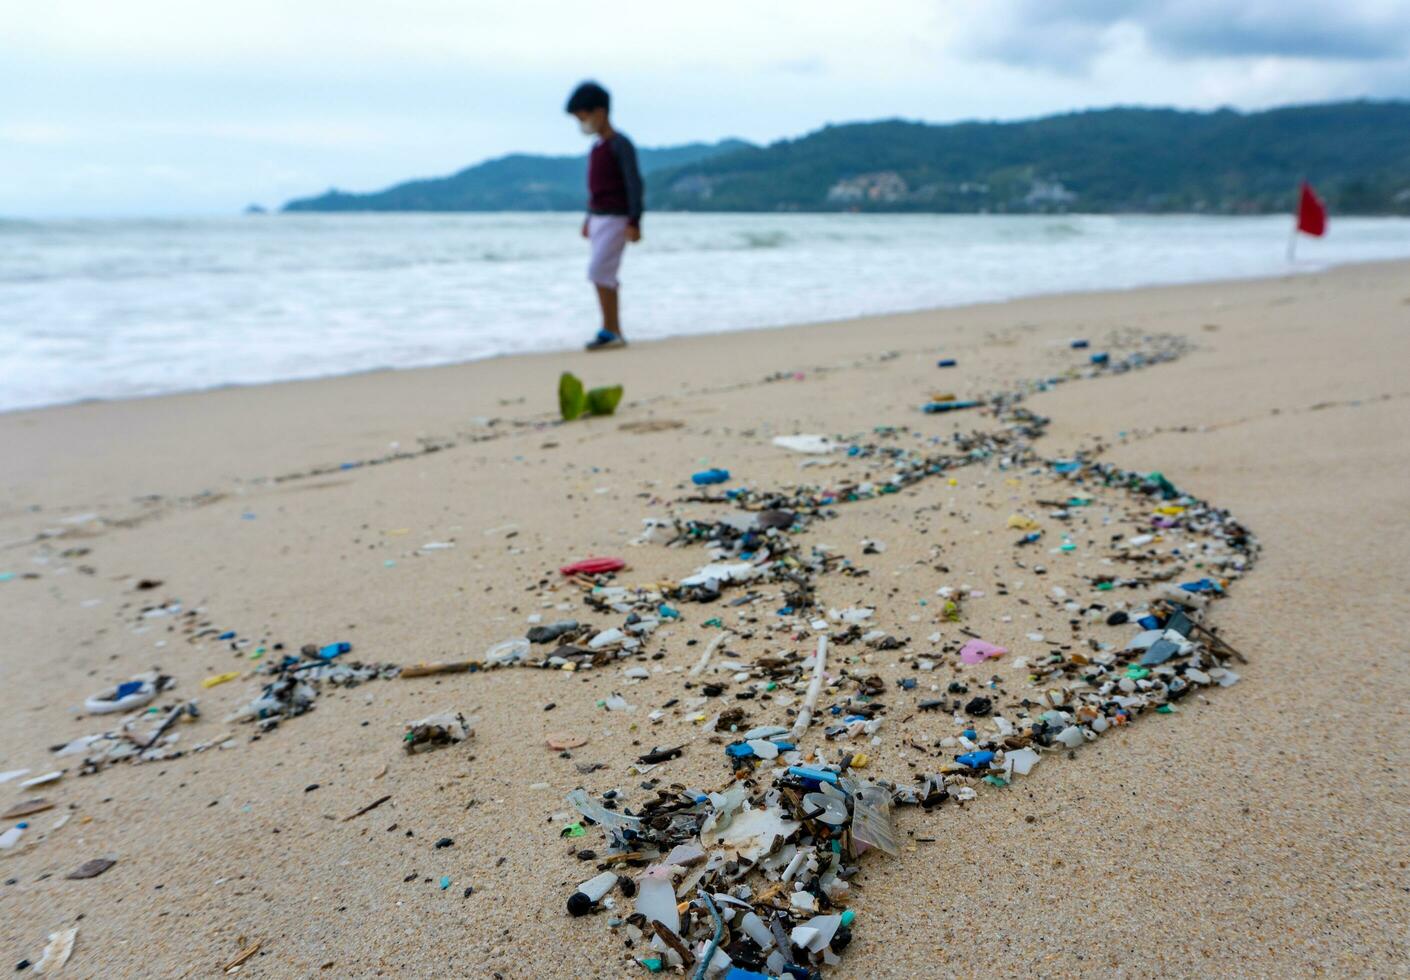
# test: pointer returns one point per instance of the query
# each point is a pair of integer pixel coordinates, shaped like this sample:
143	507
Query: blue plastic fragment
970	734
1159	652
126	688
817	775
935	408
1203	585
334	650
1180	623
1148	623
1030	537
947	362
1079	345
707	477
1067	466
227	635
1100	359
739	973
739	750
975	759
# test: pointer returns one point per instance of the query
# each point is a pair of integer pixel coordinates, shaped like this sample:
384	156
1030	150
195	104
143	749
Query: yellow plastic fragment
859	761
1020	523
1170	510
215	679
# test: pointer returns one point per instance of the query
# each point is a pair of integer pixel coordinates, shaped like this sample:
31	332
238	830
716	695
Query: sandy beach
1258	830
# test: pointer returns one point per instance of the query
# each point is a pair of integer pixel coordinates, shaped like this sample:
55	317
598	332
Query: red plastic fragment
593	566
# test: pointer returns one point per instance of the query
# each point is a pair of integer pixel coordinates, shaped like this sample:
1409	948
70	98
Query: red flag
1311	212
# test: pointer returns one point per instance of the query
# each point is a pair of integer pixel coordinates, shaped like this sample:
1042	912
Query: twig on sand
242	957
371	806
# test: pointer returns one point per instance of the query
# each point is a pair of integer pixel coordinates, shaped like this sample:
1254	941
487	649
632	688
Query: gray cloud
1069	36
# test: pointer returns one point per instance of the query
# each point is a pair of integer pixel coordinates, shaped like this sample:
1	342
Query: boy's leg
607	235
607	299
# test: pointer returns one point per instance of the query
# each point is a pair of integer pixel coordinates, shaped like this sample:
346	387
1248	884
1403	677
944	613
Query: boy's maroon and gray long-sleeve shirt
614	182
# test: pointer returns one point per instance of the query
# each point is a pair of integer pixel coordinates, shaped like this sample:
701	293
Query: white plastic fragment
508	651
606	638
656	898
822	927
720	572
108	702
48	777
751	834
1021	761
755	929
57	952
813	445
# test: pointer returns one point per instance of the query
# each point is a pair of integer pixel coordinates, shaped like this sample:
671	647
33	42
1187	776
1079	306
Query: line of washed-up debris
752	879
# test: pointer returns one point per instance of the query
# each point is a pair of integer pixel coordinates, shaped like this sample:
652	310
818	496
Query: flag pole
1292	244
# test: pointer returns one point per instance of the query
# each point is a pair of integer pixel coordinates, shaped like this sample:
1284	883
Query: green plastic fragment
996	781
667	612
1165	709
1137	673
652	963
715	621
572	830
445	882
847	916
1104	587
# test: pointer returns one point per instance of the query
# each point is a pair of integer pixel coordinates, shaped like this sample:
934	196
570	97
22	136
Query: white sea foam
97	309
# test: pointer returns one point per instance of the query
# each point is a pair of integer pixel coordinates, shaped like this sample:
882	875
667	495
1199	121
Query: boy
614	204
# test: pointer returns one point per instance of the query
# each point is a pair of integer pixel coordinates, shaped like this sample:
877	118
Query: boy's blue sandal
605	341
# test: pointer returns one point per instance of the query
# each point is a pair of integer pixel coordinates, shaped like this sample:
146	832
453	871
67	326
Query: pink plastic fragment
978	651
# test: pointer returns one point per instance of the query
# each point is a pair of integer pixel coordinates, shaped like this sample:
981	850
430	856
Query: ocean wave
116	308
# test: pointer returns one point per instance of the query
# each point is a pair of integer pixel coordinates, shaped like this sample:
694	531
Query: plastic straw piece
810	702
715	644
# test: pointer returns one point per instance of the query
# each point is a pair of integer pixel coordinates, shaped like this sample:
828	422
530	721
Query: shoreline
1309	270
1210	840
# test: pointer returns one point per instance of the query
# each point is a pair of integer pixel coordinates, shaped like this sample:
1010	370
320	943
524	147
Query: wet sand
1261	831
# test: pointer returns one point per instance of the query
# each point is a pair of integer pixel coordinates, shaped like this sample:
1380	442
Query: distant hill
519	182
1357	154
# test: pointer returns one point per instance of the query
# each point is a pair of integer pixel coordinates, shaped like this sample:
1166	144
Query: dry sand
1260	831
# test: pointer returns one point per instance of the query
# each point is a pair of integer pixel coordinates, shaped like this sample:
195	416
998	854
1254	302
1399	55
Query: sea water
117	308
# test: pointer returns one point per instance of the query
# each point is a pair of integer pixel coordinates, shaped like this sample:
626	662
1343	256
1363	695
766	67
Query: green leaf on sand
603	401
571	400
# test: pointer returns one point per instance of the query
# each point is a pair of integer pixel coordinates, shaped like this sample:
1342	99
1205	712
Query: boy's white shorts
607	233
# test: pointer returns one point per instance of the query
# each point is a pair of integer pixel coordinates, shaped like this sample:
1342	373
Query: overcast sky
175	106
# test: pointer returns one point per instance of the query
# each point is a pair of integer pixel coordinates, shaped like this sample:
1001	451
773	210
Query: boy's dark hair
587	97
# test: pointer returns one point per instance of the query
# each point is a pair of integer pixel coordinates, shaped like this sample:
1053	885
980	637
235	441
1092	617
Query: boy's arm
625	153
